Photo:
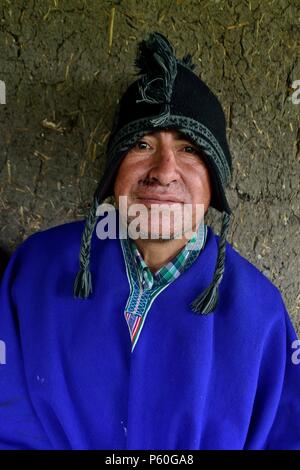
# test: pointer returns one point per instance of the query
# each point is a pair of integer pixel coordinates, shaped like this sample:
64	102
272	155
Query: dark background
65	64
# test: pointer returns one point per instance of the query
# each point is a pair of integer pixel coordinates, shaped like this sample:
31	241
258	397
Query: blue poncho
68	379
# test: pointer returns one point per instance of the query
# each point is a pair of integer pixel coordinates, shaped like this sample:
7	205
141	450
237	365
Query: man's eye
141	142
141	145
189	147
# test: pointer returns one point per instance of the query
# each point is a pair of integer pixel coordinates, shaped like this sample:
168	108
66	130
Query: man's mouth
158	199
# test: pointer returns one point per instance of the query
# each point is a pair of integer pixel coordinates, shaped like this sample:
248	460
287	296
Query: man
167	343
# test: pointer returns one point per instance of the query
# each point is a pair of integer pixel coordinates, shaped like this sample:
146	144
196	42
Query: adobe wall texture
65	64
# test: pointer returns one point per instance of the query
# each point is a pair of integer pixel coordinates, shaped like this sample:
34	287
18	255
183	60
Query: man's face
163	168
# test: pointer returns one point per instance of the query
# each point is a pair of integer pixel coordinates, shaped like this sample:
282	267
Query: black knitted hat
167	95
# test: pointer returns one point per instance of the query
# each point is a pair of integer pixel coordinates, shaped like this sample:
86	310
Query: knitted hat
167	95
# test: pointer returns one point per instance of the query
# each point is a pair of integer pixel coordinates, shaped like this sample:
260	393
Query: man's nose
164	166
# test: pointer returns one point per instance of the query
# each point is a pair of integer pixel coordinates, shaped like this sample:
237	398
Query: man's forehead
178	135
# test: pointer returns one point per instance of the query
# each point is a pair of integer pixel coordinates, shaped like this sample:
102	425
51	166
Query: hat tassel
207	301
83	281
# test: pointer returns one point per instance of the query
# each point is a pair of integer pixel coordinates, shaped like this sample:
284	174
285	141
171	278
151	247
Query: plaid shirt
145	286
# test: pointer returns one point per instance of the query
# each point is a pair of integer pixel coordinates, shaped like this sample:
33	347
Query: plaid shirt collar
173	268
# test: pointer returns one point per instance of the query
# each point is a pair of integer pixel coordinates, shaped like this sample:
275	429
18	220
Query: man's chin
158	226
153	236
158	233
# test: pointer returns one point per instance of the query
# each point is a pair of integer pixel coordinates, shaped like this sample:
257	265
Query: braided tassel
83	280
207	301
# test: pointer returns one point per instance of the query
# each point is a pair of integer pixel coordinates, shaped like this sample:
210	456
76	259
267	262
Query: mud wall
65	63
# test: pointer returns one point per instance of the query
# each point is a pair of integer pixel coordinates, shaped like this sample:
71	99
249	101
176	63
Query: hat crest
157	63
